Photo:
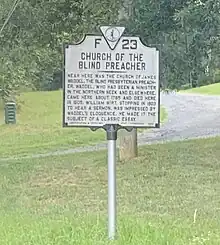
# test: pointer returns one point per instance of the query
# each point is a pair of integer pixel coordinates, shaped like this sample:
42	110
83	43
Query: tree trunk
127	144
127	140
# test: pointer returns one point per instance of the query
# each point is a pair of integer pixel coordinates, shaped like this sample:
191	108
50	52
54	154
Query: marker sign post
111	81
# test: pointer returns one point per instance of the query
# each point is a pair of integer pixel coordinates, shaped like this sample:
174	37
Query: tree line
187	32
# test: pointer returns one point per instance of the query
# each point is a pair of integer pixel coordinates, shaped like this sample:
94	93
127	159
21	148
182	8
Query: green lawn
39	127
63	200
212	89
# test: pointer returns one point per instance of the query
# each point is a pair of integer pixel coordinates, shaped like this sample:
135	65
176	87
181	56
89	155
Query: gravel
189	116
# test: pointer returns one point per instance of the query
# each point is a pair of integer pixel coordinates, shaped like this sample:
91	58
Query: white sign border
65	125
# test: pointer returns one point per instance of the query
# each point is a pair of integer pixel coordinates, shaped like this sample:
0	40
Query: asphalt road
189	116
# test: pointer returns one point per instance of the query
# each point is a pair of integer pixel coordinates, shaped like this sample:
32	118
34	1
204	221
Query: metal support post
111	137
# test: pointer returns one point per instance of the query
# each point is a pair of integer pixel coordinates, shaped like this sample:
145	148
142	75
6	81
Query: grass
39	127
212	89
1	112
63	200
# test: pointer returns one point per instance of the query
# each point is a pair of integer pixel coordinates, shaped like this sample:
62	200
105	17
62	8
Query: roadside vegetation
212	89
31	54
39	127
168	195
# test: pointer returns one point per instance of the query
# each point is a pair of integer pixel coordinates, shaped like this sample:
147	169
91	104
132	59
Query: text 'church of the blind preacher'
110	61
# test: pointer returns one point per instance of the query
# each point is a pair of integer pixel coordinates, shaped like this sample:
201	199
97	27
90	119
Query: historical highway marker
111	86
111	81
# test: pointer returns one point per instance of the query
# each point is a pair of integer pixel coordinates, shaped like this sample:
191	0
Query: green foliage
32	40
186	32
